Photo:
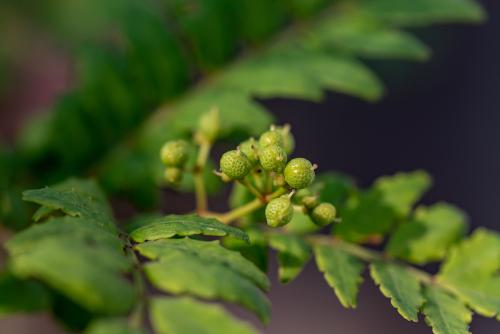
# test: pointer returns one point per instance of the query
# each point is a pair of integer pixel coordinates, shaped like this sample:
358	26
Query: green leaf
113	326
472	270
401	286
402	190
75	200
22	296
429	234
207	251
342	271
182	273
185	225
364	36
256	251
301	224
293	254
444	313
424	12
188	316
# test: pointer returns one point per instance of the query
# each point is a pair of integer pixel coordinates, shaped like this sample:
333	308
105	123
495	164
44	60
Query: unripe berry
250	149
209	125
173	175
273	158
271	137
175	153
299	173
324	214
279	211
235	164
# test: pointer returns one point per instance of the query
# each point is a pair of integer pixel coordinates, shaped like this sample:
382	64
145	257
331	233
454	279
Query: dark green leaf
182	273
207	251
22	296
185	225
188	316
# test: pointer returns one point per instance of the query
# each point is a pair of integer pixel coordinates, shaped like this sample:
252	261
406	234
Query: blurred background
442	116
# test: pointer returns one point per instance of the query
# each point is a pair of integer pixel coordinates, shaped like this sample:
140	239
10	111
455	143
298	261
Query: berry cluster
263	167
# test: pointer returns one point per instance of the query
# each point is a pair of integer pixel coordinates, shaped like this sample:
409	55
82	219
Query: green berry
273	158
250	149
271	137
173	175
279	211
299	173
324	214
288	140
209	125
235	164
175	153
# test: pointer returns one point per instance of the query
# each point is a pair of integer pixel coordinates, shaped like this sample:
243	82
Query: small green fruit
209	125
279	211
235	164
324	214
173	175
299	173
271	137
250	149
175	153
273	158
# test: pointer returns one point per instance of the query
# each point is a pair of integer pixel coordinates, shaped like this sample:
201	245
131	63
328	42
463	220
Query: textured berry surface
299	173
173	175
235	164
273	158
250	149
279	211
324	214
271	137
175	153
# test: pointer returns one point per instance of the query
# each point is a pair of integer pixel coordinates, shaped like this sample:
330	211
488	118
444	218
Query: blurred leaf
402	190
444	313
301	223
333	187
113	326
401	286
342	271
211	252
472	270
22	296
293	254
181	273
185	225
424	12
429	234
168	316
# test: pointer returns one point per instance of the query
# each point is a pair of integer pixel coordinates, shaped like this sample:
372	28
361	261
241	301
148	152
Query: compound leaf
401	286
429	234
342	271
185	225
168	316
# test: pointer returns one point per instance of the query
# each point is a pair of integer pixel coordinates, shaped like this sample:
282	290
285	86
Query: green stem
248	208
251	188
199	181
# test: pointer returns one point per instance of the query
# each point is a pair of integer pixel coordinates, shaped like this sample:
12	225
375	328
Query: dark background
442	116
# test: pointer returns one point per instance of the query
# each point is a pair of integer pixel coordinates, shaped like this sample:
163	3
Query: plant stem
251	188
199	181
248	208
